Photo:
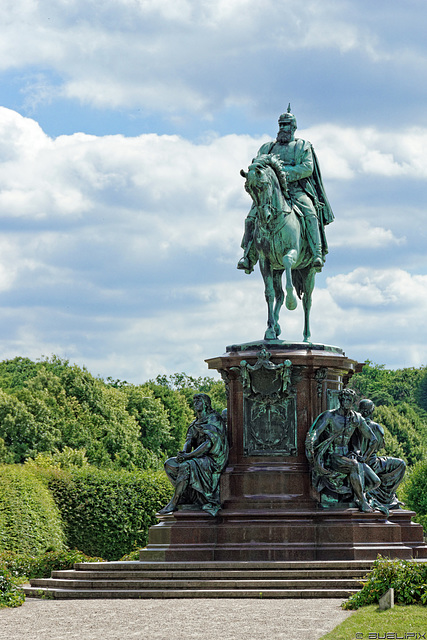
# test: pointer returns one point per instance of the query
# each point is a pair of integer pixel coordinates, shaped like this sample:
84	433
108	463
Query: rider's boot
313	235
248	261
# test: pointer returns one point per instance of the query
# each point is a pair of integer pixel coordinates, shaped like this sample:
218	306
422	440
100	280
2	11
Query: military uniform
306	191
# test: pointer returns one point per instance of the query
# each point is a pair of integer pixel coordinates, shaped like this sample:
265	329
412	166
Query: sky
123	128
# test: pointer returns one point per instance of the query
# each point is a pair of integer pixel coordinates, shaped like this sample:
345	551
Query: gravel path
202	619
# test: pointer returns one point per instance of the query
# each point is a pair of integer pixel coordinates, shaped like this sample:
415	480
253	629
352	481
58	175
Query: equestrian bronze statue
285	228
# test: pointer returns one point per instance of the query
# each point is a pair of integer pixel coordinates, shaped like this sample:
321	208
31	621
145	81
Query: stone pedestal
276	475
270	511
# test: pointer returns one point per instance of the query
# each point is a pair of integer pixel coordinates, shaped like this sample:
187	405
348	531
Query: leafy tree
176	393
421	391
392	446
151	417
397	394
188	385
68	458
60	405
414	492
388	386
15	373
22	434
180	414
403	431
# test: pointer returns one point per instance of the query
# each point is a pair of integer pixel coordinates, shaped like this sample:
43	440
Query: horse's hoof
291	301
270	334
277	329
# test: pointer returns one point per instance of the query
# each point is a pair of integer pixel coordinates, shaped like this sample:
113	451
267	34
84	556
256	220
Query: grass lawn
409	622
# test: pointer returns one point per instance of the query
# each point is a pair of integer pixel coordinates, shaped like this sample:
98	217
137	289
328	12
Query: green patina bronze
196	470
337	471
341	447
389	470
285	228
269	407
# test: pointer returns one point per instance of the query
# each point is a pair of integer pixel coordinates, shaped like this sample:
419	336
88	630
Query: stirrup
243	263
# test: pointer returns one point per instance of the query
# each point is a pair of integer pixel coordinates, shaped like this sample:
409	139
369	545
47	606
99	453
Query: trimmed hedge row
102	513
29	519
107	513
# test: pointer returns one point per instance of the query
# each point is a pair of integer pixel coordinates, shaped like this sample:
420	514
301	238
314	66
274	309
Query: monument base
281	535
270	511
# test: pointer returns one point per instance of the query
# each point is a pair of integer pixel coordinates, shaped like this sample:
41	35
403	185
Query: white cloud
347	152
194	55
378	316
347	233
120	253
395	289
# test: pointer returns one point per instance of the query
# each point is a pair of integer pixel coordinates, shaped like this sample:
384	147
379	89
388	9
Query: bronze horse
280	242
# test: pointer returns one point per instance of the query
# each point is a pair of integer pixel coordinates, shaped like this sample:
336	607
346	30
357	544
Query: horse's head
266	184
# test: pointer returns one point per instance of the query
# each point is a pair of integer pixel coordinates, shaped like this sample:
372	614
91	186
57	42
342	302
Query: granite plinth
257	481
279	534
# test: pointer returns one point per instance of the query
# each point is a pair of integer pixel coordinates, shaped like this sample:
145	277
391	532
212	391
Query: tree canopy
51	406
62	411
400	397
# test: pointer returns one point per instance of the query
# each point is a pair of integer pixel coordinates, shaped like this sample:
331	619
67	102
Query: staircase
299	579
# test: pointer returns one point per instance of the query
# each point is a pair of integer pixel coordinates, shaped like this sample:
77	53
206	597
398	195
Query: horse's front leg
306	302
289	260
280	296
267	274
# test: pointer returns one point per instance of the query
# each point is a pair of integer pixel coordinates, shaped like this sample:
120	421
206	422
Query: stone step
211	574
186	593
224	565
283	579
259	585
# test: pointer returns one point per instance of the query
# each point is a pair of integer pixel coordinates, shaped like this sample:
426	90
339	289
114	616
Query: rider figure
306	191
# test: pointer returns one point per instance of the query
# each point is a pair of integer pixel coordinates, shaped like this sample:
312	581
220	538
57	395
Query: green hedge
16	568
107	513
413	492
406	577
10	593
29	519
25	565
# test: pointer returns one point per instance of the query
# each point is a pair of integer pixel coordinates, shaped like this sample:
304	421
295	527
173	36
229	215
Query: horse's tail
298	282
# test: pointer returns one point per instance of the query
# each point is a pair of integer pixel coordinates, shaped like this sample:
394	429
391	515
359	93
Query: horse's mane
274	162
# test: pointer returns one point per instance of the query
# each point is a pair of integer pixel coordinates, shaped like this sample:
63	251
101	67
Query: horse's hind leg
306	302
280	296
288	262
